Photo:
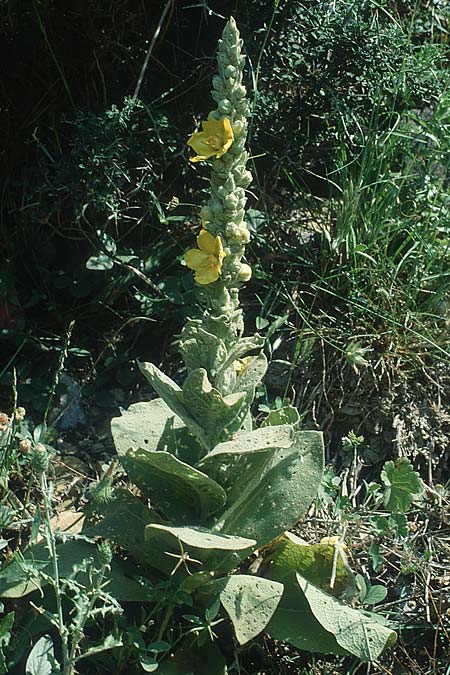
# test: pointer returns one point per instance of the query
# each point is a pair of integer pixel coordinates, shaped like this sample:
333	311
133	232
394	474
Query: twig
150	49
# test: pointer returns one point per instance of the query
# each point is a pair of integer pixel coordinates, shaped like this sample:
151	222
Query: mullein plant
210	489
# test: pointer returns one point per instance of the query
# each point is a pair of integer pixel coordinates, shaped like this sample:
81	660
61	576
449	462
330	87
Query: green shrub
326	67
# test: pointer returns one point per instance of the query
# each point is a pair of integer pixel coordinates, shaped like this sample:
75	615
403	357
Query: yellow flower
206	260
214	141
240	365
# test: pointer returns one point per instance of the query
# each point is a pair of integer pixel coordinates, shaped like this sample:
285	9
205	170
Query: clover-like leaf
403	484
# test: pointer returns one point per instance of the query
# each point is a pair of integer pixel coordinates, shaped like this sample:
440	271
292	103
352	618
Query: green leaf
172	395
252	373
355	631
22	576
6	624
228	461
41	658
148	663
285	415
294	622
226	379
100	262
249	602
402	485
376	557
153	426
107	520
375	594
216	414
214	551
270	495
180	491
201	349
315	562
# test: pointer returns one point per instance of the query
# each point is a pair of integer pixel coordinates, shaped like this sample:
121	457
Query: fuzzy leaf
402	485
107	520
275	492
226	379
249	602
201	349
294	622
314	562
216	414
177	489
253	372
355	631
41	658
153	426
232	460
172	395
214	550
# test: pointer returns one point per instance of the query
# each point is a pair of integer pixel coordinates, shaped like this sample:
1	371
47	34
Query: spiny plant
213	487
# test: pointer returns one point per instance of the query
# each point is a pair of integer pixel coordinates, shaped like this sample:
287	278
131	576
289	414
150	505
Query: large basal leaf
172	395
122	520
293	622
214	551
315	562
215	413
16	582
177	489
153	426
279	493
355	631
249	602
241	459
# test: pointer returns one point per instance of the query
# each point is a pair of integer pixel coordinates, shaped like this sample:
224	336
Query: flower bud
206	214
40	458
25	446
245	273
4	420
230	201
19	414
224	106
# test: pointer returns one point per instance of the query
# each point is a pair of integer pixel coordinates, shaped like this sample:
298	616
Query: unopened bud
19	414
245	273
25	446
4	420
40	458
